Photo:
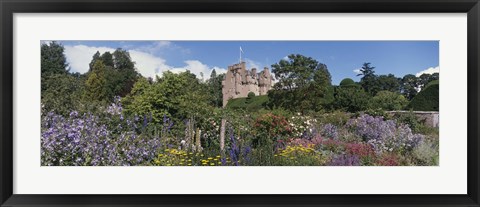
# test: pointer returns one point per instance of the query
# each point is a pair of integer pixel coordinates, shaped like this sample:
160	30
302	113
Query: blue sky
343	58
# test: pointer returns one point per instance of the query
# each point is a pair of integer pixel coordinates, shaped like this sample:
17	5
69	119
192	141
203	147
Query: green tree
122	60
389	83
303	84
95	83
351	98
107	59
424	79
347	82
62	94
387	100
409	86
215	88
95	57
369	80
181	96
427	99
53	61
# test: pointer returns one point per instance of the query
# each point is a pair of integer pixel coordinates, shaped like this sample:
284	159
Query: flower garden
113	116
272	139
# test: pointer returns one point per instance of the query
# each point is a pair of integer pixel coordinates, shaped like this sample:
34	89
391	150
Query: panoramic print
239	103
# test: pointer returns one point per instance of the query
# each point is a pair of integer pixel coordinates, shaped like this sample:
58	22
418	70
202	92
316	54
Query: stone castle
239	82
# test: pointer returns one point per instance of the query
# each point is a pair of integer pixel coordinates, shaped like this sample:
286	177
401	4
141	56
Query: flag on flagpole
241	50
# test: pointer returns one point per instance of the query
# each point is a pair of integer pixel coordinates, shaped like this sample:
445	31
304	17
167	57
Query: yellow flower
212	163
219	163
210	158
215	159
204	163
190	153
181	163
189	164
218	156
189	160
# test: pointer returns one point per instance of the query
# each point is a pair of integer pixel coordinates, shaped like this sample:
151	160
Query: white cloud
147	64
430	70
79	56
286	58
252	64
357	71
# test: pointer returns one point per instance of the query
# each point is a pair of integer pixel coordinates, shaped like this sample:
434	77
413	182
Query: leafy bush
254	103
299	155
427	99
426	153
387	100
385	136
271	127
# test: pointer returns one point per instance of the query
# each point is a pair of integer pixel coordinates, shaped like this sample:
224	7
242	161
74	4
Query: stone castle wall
239	82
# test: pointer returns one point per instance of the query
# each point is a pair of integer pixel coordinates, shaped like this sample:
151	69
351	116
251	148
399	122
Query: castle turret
239	82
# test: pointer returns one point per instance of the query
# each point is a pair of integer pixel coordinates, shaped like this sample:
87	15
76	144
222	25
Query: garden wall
430	117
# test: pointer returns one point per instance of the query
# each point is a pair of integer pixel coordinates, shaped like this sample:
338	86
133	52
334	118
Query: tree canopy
303	84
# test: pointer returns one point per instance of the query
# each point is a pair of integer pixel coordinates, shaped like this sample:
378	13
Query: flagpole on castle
241	51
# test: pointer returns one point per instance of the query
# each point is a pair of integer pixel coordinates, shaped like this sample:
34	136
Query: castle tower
239	82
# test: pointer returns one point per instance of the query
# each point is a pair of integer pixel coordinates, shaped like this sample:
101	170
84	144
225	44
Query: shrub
337	118
427	99
347	82
254	103
387	100
270	127
345	160
299	155
384	135
426	153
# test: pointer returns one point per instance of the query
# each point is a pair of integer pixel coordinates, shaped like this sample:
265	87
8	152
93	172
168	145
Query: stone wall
431	118
239	82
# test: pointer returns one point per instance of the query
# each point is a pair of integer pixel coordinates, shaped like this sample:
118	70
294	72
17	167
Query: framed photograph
237	103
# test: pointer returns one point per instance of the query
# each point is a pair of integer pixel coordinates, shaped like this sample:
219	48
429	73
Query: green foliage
432	83
389	101
347	82
369	80
351	99
107	59
53	62
337	118
426	100
253	104
388	83
426	154
303	84
95	58
409	119
122	60
270	127
424	79
409	86
215	88
62	93
95	83
118	80
181	96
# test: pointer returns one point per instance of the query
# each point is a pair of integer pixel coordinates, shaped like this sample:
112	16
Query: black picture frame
9	7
